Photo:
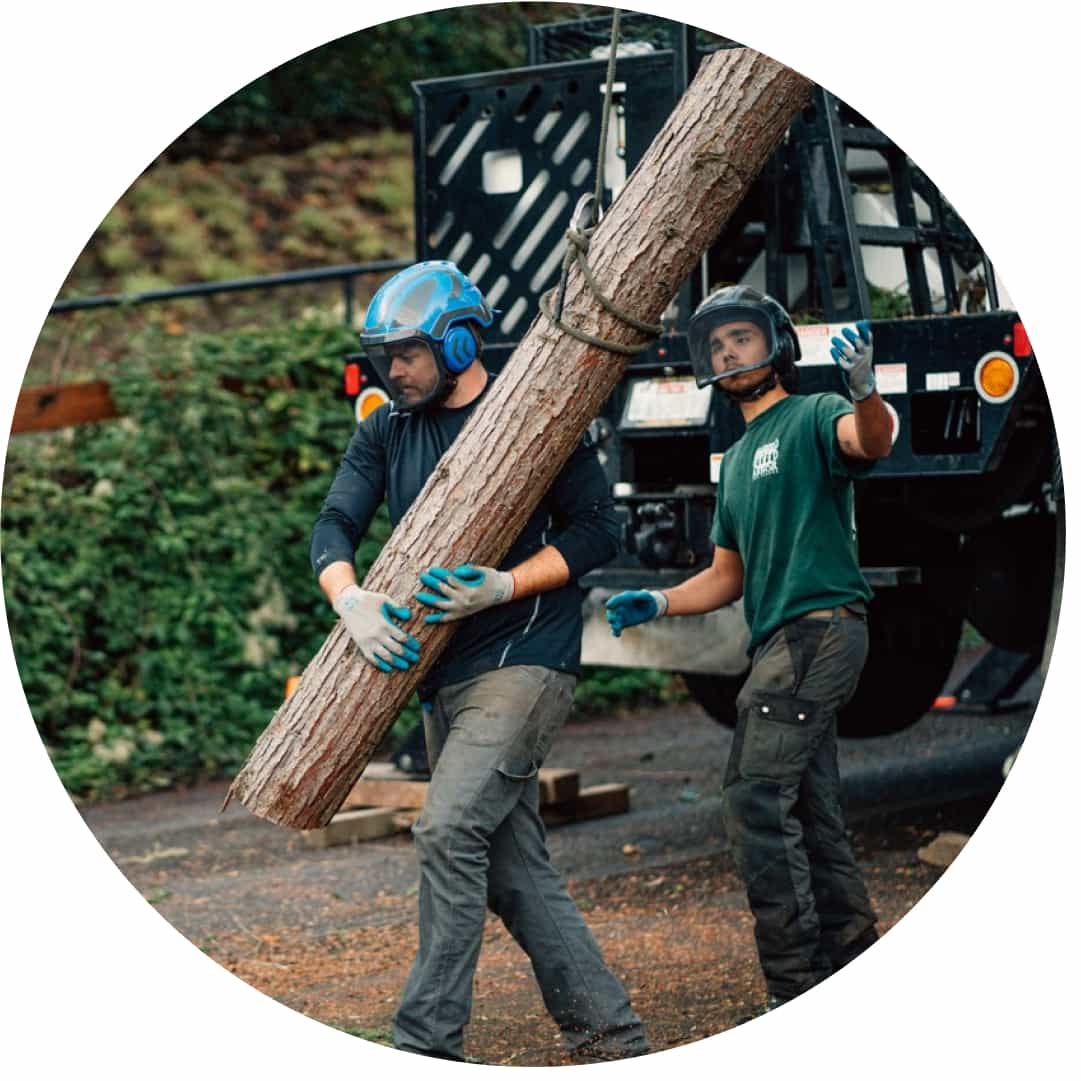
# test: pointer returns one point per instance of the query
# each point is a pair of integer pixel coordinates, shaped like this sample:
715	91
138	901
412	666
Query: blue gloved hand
464	591
854	357
633	607
370	619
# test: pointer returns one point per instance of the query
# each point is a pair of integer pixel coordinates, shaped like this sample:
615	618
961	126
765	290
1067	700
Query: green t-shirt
785	503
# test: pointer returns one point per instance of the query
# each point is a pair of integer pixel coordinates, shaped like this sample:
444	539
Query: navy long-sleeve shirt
392	454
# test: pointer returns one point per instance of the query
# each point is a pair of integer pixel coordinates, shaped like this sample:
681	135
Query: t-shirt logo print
765	460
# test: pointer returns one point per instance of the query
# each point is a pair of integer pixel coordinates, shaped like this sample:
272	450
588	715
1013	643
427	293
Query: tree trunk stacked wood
673	205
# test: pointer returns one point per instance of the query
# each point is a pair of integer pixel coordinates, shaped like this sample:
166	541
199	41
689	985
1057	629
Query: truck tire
1013	565
715	694
914	633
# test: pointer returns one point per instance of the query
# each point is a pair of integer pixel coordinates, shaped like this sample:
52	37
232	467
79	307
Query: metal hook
582	221
587	212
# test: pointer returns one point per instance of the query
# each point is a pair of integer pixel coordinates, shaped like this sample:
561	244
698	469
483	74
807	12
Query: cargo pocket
518	766
778	737
519	761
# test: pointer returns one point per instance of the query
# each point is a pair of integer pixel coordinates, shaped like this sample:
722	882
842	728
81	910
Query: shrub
156	567
601	689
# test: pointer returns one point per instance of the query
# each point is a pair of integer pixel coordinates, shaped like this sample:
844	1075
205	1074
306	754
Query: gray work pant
481	844
782	804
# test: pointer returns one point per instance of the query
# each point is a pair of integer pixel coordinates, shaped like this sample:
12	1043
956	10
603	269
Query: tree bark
692	178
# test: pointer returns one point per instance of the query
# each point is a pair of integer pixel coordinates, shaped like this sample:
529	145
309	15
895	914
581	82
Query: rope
579	235
613	48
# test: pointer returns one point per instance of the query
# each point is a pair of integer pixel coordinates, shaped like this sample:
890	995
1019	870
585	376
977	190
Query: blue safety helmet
433	303
742	303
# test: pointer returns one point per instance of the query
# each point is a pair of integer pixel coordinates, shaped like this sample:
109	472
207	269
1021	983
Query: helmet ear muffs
459	349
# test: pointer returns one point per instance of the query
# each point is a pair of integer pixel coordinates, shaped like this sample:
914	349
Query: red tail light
1022	347
353	380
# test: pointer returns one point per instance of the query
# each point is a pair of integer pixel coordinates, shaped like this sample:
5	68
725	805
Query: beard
408	397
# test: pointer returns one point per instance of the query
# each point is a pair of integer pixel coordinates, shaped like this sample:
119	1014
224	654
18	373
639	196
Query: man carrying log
784	535
499	691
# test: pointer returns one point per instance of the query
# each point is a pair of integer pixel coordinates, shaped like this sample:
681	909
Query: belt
841	611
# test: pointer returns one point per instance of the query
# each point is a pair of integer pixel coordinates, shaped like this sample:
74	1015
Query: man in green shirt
785	539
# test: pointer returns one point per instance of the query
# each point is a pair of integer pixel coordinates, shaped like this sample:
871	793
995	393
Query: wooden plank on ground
396	794
349	826
371	823
595	801
386	771
59	406
405	820
557	785
382	785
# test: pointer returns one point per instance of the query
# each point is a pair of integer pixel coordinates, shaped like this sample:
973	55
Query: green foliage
600	690
156	568
887	304
337	202
363	79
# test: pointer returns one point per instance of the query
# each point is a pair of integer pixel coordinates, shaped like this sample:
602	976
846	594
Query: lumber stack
386	801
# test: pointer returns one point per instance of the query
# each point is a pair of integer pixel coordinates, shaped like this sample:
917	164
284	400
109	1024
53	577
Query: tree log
673	205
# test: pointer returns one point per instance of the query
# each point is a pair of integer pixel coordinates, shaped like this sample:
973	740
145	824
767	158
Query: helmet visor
408	368
729	341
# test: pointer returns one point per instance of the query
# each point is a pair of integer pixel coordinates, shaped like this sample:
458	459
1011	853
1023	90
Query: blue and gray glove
854	356
464	591
370	620
634	607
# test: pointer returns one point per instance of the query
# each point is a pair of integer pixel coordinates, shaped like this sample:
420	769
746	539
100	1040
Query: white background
979	978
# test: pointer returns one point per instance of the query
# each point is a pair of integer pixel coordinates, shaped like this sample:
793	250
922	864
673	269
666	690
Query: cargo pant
782	804
480	843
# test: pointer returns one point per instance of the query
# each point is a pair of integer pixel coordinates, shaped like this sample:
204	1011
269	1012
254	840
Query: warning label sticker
891	378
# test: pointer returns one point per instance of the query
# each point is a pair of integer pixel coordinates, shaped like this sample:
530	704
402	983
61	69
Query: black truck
961	522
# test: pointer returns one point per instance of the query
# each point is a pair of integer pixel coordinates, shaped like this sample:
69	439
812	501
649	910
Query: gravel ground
331	933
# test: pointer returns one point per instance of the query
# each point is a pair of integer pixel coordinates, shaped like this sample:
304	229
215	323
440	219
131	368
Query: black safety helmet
734	303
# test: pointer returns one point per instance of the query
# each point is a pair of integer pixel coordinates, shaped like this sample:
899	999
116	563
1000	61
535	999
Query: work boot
623	1041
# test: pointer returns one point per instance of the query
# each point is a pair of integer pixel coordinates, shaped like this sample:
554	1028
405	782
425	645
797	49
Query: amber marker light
997	377
369	401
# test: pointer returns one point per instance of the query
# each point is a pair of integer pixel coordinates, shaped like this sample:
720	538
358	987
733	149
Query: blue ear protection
459	349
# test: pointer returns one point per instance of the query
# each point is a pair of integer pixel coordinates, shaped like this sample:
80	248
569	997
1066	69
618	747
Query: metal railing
346	273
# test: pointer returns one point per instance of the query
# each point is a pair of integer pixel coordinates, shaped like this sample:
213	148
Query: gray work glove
854	356
464	591
369	618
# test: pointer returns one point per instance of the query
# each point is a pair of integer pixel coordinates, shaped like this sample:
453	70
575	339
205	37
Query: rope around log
577	247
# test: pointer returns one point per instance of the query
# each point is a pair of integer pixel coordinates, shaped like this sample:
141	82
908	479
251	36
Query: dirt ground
680	939
331	932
